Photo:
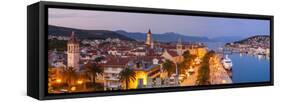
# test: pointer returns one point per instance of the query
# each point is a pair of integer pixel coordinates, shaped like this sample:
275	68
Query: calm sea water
247	68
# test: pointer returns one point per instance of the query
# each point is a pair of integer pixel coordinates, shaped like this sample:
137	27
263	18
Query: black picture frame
37	28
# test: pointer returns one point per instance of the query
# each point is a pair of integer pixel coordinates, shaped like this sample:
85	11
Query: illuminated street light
58	80
73	88
223	81
80	82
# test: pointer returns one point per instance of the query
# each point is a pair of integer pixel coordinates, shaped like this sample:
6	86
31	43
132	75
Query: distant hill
133	36
86	34
256	38
165	37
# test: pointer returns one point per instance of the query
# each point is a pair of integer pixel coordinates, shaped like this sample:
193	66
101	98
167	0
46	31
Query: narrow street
191	80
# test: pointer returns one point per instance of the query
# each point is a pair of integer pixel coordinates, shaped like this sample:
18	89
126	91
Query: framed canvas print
85	50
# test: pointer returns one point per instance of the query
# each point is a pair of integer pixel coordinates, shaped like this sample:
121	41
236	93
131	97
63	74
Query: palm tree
127	75
70	75
204	70
183	66
203	75
187	62
169	67
186	54
92	70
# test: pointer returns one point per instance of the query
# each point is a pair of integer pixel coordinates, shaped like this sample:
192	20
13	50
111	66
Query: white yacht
227	63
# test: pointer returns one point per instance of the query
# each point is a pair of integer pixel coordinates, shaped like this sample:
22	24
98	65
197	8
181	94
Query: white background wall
13	51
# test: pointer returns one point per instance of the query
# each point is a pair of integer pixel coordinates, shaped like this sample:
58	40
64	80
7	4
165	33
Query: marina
245	67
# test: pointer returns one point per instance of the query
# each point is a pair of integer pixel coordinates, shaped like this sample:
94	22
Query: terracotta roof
123	49
116	61
168	46
139	50
173	53
147	58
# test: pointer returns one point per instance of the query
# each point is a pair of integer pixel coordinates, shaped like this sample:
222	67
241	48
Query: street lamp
73	88
79	82
58	80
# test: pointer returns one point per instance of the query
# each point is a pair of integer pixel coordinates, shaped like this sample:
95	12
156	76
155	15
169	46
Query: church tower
149	41
179	47
73	52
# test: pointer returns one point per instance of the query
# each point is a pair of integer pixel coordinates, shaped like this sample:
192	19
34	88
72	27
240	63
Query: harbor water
246	68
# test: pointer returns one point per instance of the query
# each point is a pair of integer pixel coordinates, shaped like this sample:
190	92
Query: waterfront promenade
218	74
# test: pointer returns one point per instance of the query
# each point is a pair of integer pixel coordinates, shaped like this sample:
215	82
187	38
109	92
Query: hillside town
255	45
84	65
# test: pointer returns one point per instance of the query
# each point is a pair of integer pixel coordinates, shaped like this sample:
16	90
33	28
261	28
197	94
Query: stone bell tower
148	38
179	47
73	52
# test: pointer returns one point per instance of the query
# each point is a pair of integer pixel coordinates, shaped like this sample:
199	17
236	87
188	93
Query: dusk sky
158	23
